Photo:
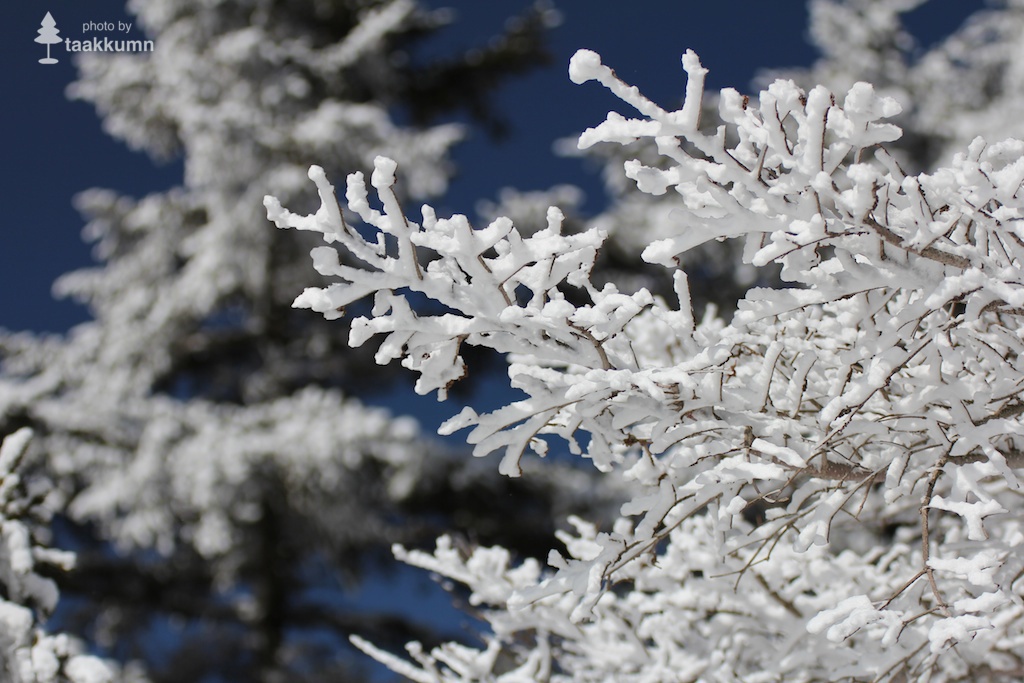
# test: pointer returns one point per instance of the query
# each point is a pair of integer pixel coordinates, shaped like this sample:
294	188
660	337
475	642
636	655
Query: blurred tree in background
221	489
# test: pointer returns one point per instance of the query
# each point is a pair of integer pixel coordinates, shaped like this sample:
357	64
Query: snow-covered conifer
213	469
28	654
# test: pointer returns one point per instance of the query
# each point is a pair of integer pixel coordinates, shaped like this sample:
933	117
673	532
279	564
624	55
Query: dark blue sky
55	148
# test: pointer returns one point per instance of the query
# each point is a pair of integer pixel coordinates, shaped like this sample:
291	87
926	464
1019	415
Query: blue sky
55	148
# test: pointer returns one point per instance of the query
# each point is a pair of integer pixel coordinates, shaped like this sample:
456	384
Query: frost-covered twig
887	368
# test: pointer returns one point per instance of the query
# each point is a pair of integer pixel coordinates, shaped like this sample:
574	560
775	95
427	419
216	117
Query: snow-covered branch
877	393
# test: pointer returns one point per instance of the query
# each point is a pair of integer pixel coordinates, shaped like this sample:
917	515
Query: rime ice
881	382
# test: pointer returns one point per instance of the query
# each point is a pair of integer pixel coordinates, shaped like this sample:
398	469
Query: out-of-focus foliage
222	489
27	653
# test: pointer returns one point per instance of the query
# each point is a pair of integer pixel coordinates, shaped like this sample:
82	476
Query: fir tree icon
49	35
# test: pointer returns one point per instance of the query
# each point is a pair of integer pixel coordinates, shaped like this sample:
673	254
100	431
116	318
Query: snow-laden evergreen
209	460
28	654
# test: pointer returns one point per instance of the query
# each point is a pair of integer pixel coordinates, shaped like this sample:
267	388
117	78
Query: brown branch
931	253
790	607
1014	458
902	588
1009	410
583	332
926	535
842	471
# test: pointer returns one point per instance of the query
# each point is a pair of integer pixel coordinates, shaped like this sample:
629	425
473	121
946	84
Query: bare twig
926	536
